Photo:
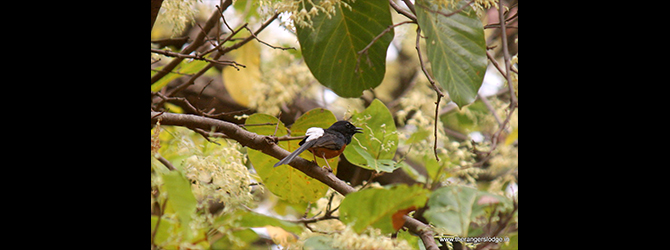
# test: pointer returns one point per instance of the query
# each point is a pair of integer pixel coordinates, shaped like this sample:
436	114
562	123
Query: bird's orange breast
328	153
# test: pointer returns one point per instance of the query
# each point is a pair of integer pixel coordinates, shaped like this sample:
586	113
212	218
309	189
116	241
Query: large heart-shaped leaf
330	47
456	48
285	181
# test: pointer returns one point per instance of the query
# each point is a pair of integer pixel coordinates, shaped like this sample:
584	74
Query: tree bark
155	8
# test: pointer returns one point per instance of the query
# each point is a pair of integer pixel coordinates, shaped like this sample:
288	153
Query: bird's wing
329	141
295	153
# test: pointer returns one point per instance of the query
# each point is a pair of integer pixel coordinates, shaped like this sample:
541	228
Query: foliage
456	48
375	148
385	66
377	207
346	71
284	181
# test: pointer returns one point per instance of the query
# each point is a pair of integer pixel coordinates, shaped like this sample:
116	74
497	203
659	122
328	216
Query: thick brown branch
155	8
267	145
264	144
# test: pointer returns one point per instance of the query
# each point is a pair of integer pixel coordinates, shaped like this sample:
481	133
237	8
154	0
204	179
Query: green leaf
165	229
379	139
180	198
450	207
420	135
285	181
252	219
456	48
375	207
243	239
330	47
185	67
377	165
454	207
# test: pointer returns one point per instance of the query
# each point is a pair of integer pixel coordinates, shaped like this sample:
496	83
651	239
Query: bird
325	143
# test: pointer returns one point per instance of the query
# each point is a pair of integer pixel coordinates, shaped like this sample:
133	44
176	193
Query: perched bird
325	143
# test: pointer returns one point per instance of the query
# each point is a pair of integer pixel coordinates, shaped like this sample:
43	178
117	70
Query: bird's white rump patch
313	133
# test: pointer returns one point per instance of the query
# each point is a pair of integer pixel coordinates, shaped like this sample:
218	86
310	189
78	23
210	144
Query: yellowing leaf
512	137
285	181
241	84
281	236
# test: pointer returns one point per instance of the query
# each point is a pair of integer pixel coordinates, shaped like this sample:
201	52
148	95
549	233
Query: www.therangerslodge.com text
475	240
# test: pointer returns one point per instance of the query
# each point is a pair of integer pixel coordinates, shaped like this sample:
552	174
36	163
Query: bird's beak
358	130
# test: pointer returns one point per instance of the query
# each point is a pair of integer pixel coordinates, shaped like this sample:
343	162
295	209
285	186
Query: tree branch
267	145
155	8
262	143
401	11
199	40
433	84
197	57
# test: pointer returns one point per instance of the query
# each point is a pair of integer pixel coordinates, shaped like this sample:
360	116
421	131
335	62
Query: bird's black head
345	128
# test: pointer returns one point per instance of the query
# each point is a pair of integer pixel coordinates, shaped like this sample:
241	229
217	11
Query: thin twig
197	57
402	11
410	5
508	59
158	221
267	44
197	42
495	64
488	105
206	136
437	111
495	138
432	83
224	19
228	38
166	163
215	56
423	65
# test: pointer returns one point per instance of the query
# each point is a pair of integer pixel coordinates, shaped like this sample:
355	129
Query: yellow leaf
512	137
281	236
241	84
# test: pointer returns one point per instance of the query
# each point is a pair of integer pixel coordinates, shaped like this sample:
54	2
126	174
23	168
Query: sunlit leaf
241	83
184	68
285	181
379	139
180	198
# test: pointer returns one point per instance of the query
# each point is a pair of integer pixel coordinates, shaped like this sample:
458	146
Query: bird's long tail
288	159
